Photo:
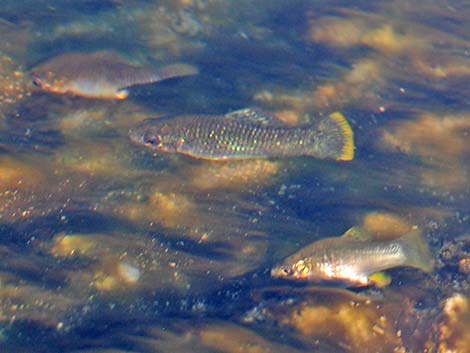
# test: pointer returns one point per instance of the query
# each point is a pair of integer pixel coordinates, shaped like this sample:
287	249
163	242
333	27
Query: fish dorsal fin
254	116
357	234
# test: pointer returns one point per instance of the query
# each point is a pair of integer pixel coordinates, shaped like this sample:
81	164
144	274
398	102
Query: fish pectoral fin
380	279
357	233
255	116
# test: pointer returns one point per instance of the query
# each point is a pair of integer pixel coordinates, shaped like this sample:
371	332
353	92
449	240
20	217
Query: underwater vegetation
300	184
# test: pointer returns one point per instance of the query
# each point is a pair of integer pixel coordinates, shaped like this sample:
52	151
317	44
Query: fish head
299	270
48	81
156	135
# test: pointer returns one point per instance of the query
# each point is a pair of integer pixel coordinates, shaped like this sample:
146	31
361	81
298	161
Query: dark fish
355	259
102	75
246	134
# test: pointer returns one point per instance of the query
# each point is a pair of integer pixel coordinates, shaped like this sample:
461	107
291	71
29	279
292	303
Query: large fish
246	134
355	259
102	75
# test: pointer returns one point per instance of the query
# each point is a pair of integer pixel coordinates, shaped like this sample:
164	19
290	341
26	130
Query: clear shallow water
107	247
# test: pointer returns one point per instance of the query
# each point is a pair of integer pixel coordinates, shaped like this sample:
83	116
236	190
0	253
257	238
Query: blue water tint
110	247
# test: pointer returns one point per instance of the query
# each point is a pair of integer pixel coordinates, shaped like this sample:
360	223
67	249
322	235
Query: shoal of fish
355	259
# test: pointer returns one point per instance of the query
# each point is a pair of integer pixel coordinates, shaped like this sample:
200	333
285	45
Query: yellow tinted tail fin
347	152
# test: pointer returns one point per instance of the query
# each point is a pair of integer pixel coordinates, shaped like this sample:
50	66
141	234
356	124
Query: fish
100	75
246	134
355	259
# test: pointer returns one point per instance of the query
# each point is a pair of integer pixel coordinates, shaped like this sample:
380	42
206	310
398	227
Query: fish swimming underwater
246	134
102	75
355	259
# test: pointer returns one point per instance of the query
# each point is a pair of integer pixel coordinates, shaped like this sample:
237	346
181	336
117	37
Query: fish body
246	134
354	261
102	75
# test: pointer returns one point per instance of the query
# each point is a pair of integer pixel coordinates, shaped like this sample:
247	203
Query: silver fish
355	259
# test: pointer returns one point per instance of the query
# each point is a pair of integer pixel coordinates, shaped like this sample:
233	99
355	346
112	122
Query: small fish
246	134
355	259
102	75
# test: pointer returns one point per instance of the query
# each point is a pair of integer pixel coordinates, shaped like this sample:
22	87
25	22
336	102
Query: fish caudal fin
141	76
338	138
417	251
176	70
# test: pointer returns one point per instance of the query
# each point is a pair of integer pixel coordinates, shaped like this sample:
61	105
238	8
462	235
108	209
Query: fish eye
37	82
285	270
152	139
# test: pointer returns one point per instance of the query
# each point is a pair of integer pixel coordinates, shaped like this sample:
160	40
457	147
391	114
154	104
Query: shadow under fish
246	134
102	75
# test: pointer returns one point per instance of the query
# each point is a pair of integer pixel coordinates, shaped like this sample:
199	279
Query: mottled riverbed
109	247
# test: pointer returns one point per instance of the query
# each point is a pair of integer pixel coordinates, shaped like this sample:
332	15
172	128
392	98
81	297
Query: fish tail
338	137
176	70
417	251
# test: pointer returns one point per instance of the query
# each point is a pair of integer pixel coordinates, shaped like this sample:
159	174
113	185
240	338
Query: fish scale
235	138
246	134
355	258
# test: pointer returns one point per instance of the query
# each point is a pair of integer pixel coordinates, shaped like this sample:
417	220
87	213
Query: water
107	247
